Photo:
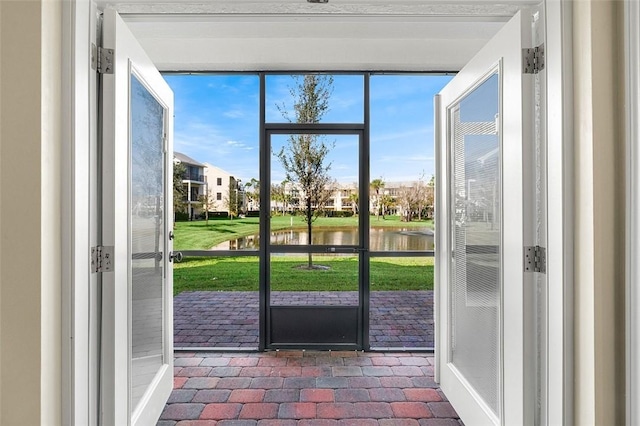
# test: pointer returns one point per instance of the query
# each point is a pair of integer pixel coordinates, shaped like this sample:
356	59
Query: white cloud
234	113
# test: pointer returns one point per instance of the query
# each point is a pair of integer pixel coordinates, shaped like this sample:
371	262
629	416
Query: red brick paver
229	319
344	389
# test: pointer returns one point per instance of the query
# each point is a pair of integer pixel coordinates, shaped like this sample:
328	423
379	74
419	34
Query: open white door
137	320
481	319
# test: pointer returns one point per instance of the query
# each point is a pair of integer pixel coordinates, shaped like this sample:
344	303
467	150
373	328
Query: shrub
181	216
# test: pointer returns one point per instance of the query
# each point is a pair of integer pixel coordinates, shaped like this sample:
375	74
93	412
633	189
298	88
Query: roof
186	159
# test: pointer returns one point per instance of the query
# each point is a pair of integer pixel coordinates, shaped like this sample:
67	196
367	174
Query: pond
381	239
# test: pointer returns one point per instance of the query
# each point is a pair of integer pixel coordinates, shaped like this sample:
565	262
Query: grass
198	235
242	274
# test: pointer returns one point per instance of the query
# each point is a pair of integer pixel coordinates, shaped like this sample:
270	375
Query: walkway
306	388
229	319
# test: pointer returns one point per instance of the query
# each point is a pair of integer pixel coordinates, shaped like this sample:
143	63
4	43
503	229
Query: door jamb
79	117
559	116
79	364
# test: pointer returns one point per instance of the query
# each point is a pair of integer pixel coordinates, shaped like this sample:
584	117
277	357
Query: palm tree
353	198
376	185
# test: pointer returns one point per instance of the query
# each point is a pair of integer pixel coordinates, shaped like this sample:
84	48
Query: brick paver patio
306	388
230	318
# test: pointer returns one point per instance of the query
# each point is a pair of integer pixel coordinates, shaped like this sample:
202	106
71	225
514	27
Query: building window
219	196
219	182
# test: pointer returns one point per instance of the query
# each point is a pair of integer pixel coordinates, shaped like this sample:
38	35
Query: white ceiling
242	35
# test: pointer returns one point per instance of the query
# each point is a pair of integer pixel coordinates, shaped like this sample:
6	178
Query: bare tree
416	200
304	157
407	200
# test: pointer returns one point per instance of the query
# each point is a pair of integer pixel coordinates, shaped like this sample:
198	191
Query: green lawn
198	235
242	274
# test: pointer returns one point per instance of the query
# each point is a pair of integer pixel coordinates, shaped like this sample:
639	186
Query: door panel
476	265
137	349
315	277
484	128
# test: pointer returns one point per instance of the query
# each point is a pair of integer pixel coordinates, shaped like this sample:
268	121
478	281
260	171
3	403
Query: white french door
484	131
137	322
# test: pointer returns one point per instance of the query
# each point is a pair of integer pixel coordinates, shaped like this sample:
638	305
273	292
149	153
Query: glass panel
401	304
147	238
402	161
314	280
218	302
217	130
314	188
343	98
401	198
475	293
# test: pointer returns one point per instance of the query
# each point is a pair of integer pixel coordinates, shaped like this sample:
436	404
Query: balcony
193	177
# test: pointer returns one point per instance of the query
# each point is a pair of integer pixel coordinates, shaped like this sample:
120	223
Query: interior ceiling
245	35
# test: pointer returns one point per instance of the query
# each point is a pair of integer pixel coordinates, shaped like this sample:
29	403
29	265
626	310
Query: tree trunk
309	214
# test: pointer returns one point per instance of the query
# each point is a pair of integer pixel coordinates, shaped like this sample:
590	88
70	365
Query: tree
252	192
386	203
179	192
353	199
416	200
280	196
407	201
430	196
231	200
208	202
376	186
304	157
277	196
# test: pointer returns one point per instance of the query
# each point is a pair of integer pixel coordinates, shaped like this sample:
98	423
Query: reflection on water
381	239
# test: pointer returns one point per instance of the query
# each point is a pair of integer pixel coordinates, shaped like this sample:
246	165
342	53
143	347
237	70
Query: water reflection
381	239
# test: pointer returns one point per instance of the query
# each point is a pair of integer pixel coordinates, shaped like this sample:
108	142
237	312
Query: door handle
175	255
345	250
171	235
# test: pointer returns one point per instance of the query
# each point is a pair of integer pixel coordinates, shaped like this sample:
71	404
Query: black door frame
266	319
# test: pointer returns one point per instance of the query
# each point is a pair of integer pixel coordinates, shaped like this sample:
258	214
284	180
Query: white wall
599	215
30	223
213	173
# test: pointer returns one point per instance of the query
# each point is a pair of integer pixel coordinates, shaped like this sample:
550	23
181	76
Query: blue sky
217	121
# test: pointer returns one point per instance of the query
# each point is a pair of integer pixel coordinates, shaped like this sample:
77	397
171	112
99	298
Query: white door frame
632	82
559	116
79	146
80	291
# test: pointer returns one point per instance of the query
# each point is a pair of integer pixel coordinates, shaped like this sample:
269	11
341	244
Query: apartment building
194	182
223	189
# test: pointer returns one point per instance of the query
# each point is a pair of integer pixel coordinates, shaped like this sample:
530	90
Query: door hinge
533	59
102	59
535	259
101	259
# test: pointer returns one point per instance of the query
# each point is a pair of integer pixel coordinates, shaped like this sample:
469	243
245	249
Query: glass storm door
136	345
315	274
483	145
